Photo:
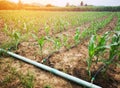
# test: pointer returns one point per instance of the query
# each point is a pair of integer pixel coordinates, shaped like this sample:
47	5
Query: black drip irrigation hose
57	52
101	68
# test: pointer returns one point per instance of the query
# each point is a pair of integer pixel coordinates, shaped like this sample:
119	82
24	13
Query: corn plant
100	45
91	49
114	47
41	42
77	36
25	27
16	36
47	29
6	29
57	43
95	49
65	41
13	34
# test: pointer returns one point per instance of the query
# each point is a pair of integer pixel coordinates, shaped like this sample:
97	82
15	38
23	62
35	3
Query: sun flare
14	1
72	2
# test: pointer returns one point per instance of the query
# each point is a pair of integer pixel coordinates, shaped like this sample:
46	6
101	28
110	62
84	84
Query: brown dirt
72	62
1	24
3	37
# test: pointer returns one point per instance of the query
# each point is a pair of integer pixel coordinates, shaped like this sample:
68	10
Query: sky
74	2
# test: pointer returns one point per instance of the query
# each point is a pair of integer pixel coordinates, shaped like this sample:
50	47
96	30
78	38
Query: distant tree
67	4
49	5
19	4
86	5
6	5
81	4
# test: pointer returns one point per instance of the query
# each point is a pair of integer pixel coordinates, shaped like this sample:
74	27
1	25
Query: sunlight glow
16	1
72	2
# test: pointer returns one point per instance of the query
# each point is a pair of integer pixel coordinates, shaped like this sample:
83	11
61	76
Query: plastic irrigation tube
52	70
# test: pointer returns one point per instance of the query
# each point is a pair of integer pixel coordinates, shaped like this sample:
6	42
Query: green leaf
77	36
41	41
92	46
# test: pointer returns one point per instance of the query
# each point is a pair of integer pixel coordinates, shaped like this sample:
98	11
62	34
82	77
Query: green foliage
25	27
41	42
6	29
98	45
114	46
47	29
16	37
117	28
91	49
57	43
47	86
77	36
65	41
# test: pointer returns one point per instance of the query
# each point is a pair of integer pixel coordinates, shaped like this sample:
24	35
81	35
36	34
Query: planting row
46	22
47	45
118	23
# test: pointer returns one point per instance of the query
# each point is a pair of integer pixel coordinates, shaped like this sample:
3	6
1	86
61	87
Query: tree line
6	5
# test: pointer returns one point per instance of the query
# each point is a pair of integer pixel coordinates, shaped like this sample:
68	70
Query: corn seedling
16	36
57	43
41	42
6	29
25	27
47	29
114	47
77	36
103	44
91	49
65	41
95	49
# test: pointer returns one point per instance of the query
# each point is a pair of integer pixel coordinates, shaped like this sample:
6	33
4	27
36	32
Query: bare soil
3	36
